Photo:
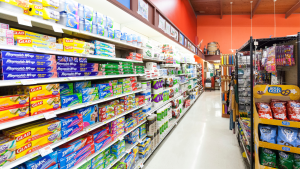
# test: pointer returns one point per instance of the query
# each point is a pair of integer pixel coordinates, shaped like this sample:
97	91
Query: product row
279	159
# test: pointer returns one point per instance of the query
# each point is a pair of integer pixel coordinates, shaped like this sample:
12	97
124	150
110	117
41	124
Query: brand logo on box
23	136
69	40
36	89
68	47
19	32
38	7
28	41
36	104
274	89
20	150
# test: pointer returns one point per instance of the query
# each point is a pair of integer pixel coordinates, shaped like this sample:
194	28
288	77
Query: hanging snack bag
296	161
287	136
279	110
264	110
293	110
267	157
268	133
286	160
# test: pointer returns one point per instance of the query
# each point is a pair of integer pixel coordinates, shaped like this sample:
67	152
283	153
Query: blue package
99	19
139	39
62	58
23	55
76	161
100	30
117	34
82	60
268	133
26	75
75	69
105	94
77	74
21	166
27	69
88	13
81	85
109	22
27	62
67	132
103	86
77	64
69	120
70	99
88	90
110	33
99	144
69	6
74	155
54	167
87	25
106	50
42	162
129	38
72	20
89	114
124	36
76	59
287	136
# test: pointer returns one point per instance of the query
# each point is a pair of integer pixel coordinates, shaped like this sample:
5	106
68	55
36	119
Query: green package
128	73
296	161
70	99
117	91
126	67
86	165
108	66
124	80
139	67
286	160
66	88
110	70
117	87
127	70
119	165
102	166
106	152
110	73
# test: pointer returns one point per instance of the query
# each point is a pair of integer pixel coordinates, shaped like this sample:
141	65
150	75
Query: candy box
71	100
66	88
89	98
81	85
67	132
45	105
105	94
104	86
70	120
99	144
99	133
42	162
89	114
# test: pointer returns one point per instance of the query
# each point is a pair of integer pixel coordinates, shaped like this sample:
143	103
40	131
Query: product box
45	105
76	161
89	90
64	59
66	88
24	75
89	98
77	74
75	69
14	114
70	120
78	50
87	165
6	41
103	44
99	144
21	34
76	154
35	43
24	55
99	133
41	92
81	85
77	64
67	132
89	114
42	162
27	62
96	159
105	50
71	100
10	69
105	94
13	101
72	20
82	60
7	147
105	54
103	86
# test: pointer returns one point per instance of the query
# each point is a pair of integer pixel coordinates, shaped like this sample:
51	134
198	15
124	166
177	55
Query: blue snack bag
268	133
287	136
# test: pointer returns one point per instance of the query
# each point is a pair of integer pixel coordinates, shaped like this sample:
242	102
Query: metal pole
298	59
251	103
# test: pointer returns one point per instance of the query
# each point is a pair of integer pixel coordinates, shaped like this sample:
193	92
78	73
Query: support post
251	103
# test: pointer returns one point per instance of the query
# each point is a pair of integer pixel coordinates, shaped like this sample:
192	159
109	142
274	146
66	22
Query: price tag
28	82
45	151
73	78
121	138
40	116
88	130
127	151
69	108
16	82
49	115
142	165
69	138
57	29
24	21
140	140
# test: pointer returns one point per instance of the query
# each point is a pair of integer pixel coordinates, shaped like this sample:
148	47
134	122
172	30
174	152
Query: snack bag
293	110
287	136
296	161
264	110
279	110
267	157
286	160
268	133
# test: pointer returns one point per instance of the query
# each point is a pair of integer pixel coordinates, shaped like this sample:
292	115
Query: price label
28	82
57	29
142	165
24	21
73	78
140	140
45	151
16	82
49	115
40	116
127	151
88	130
121	138
69	138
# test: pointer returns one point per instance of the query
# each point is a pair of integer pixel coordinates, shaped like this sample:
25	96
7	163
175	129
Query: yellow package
68	48
79	44
50	14
52	45
13	101
78	50
51	3
10	131
40	92
45	105
33	43
66	41
26	12
14	114
18	33
24	150
36	10
48	139
20	3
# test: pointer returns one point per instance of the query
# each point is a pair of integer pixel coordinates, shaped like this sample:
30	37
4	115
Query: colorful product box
81	85
79	50
89	114
75	64
76	74
89	90
23	55
96	159
13	101
75	69
64	59
105	50
6	41
99	133
45	105
71	100
89	98
103	44
21	34
70	120
103	86
76	154
34	43
69	6
105	54
66	88
100	164
67	132
31	75
99	144
82	60
72	20
27	62
7	147
40	92
76	161
105	94
87	165
42	162
27	69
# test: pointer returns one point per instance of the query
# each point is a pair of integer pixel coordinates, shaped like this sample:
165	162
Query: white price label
24	21
45	151
142	165
57	29
49	115
28	82
127	151
121	138
16	82
69	138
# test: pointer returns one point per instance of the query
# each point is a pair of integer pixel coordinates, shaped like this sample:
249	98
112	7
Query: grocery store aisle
200	140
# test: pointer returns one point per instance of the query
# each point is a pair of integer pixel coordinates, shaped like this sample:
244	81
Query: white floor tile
201	140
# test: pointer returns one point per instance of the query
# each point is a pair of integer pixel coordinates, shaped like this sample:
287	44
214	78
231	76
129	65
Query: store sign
143	9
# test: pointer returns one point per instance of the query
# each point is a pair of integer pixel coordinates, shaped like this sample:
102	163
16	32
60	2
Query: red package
293	110
279	110
264	110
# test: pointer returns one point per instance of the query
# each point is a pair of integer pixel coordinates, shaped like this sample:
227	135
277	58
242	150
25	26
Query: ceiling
242	7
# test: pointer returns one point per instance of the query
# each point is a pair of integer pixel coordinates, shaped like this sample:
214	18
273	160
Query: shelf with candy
245	144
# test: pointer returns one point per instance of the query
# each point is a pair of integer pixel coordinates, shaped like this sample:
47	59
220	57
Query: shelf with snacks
246	133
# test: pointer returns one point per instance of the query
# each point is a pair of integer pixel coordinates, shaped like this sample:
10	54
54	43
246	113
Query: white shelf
184	83
170	65
148	59
65	79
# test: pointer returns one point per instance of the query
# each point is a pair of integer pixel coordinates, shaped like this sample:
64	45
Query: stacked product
101	137
128	160
147	50
117	127
142	131
44	10
48	161
152	129
114	68
135	56
6	35
139	115
105	88
157	93
76	67
9	146
104	49
77	46
132	137
177	107
107	109
89	94
163	72
147	94
99	160
89	115
151	70
21	65
164	114
130	123
75	98
118	149
144	148
71	124
139	69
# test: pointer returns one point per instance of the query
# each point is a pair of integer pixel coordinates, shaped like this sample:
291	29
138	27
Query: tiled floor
201	140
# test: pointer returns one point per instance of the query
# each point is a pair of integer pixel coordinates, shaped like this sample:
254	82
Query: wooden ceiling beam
221	12
293	9
254	9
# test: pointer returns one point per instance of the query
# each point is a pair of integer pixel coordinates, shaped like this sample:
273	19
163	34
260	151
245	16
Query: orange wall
180	12
212	28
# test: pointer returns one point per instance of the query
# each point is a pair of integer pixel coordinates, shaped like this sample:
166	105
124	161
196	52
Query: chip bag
268	133
286	160
293	110
264	110
279	110
267	157
287	136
